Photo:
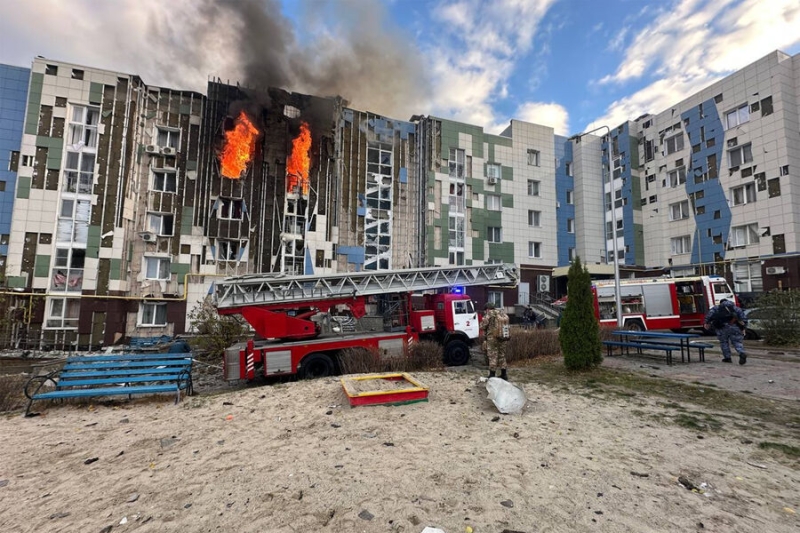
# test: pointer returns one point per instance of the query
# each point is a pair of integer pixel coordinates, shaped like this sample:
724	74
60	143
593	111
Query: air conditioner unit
775	270
151	148
148	237
543	283
491	180
168	150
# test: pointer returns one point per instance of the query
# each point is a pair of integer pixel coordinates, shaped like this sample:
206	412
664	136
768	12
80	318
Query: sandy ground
296	457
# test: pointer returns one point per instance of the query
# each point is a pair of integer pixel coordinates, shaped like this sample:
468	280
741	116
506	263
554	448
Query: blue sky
570	64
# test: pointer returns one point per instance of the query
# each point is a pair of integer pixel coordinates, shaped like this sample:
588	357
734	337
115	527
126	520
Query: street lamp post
617	291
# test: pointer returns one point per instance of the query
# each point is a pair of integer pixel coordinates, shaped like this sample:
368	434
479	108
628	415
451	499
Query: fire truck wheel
316	365
456	353
634	325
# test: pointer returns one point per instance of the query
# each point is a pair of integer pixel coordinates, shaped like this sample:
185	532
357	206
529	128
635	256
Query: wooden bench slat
84	376
124	365
132	356
101	373
62	383
109	391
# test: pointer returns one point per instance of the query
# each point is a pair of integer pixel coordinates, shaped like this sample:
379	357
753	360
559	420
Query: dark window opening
778	244
766	106
51	70
77	74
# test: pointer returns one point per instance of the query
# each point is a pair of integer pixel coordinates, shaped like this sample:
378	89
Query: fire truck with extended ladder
678	304
306	323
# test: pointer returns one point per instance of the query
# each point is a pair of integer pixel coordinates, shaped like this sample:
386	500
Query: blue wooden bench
111	375
701	348
639	347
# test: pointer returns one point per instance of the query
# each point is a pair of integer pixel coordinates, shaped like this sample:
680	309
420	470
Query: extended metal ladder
259	289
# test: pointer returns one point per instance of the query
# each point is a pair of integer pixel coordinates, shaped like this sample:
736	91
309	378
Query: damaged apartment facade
131	199
101	240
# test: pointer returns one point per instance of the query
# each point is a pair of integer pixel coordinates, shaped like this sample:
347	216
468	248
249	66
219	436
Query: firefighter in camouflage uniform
494	327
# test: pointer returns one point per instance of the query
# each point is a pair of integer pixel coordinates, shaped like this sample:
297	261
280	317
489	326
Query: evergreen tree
579	335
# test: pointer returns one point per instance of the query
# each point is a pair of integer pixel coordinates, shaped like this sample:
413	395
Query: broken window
677	177
83	128
711	160
79	172
743	235
649	150
456	163
744	194
164	180
674	144
160	223
13	161
168	137
774	187
51	70
766	106
778	244
77	74
679	210
73	221
231	209
785	170
533	157
228	250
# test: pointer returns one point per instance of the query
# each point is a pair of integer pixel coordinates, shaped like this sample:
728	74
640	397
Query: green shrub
779	317
579	335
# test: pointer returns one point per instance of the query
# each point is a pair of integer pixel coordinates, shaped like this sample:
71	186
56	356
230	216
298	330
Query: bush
529	343
215	332
423	355
12	396
579	334
779	317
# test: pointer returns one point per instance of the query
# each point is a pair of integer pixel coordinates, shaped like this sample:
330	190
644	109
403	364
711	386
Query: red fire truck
306	322
678	304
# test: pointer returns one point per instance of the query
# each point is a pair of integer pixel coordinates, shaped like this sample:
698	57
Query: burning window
298	165
239	147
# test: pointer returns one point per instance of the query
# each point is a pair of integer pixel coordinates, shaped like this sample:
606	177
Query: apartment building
100	242
719	192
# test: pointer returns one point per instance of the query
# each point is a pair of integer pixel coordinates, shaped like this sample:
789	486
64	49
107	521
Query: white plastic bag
508	398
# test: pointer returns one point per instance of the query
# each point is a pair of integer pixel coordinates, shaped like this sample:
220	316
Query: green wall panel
23	187
41	267
115	268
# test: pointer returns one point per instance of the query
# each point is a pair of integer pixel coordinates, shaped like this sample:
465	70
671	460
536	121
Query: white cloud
546	114
476	55
694	43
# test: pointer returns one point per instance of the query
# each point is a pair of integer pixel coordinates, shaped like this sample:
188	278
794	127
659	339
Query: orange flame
240	143
299	162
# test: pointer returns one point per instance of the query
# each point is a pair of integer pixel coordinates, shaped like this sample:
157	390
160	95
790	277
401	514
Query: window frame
156	314
738	112
494	234
671	143
171	133
494	202
745	232
534	157
534	188
676	177
683	208
744	151
226	209
163	187
534	218
535	249
159	229
681	245
163	268
746	194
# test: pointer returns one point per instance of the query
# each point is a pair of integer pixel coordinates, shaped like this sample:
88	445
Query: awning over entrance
594	270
